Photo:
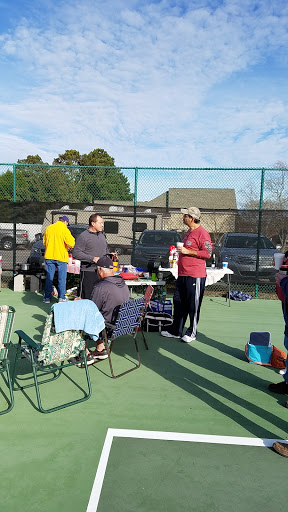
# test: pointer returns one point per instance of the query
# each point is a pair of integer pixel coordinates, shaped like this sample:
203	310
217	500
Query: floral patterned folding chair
7	314
127	322
50	356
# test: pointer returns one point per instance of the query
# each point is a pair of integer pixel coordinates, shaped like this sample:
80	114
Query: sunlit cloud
139	79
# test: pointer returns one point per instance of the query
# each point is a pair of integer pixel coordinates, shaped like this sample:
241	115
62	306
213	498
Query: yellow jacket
57	238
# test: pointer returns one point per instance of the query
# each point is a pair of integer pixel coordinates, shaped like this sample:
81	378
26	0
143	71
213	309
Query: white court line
164	436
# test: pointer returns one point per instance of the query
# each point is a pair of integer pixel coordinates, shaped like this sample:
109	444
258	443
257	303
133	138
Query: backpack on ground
278	358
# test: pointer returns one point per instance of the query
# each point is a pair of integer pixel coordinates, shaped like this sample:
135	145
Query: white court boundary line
163	436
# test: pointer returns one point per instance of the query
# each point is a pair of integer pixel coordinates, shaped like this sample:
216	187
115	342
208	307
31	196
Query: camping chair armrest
23	336
110	326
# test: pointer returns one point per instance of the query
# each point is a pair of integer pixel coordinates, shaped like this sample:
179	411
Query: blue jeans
286	346
51	266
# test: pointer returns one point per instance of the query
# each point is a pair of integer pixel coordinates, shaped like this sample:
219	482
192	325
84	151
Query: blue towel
237	295
78	315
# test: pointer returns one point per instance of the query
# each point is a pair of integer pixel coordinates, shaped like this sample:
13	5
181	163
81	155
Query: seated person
110	292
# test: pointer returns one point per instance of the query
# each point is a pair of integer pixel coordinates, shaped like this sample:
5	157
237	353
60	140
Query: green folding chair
50	356
6	324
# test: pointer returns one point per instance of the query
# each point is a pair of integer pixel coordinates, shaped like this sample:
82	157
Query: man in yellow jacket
57	240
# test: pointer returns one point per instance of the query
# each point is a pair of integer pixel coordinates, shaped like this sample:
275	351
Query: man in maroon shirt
190	284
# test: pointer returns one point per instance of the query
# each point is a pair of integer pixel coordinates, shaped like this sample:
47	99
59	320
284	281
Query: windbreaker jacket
57	238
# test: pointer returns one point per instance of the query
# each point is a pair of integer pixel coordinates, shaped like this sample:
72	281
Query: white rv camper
119	222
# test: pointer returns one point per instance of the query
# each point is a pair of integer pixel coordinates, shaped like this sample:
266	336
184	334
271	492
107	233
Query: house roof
203	198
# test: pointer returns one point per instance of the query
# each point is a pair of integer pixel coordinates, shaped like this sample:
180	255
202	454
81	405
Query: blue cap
65	218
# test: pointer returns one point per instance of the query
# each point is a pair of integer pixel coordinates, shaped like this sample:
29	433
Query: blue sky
155	83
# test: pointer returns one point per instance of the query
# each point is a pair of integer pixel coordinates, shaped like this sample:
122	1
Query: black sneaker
281	388
102	354
80	363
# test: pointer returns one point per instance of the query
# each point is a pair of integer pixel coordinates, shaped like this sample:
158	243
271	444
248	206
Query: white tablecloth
213	274
143	282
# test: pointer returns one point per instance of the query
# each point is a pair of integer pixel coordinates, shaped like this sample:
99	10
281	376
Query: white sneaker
63	300
188	339
282	372
168	334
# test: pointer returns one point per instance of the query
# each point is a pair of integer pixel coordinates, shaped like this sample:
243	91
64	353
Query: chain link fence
247	201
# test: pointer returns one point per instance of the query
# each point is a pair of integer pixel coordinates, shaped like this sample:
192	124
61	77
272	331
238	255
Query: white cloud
137	82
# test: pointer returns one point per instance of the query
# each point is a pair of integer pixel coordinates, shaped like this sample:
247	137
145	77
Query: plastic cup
180	244
278	259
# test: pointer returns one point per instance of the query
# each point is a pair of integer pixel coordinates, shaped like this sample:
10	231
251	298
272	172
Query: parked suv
36	257
240	249
152	248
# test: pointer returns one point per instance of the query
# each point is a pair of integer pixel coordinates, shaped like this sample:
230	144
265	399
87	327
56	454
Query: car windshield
248	242
165	239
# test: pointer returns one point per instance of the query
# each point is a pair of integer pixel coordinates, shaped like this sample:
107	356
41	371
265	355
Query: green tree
93	183
31	159
70	157
98	158
72	178
107	182
37	181
6	186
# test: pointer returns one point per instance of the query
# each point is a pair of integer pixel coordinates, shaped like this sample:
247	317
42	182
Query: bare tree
275	203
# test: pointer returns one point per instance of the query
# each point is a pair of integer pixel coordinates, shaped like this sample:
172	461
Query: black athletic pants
87	283
187	300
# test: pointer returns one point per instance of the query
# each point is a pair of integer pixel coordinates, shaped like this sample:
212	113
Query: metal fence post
259	228
135	210
14	218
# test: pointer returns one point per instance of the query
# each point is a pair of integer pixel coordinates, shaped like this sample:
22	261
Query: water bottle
213	264
172	251
175	260
115	263
225	263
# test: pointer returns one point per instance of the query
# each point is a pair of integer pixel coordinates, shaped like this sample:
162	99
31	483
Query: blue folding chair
128	321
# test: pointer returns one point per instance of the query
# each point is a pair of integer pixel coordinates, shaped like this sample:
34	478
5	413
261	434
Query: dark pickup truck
7	238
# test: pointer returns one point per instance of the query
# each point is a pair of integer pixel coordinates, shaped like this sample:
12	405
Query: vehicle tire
119	250
7	244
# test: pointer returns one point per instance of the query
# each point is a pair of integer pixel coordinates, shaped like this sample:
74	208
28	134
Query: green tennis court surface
206	388
171	475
